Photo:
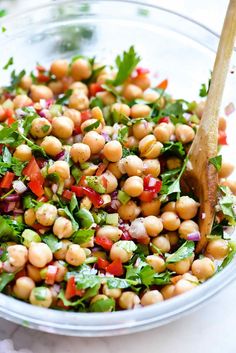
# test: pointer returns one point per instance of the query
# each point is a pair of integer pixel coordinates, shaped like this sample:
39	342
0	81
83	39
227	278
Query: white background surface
210	329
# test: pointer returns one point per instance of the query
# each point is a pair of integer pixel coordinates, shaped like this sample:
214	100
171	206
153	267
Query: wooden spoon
201	176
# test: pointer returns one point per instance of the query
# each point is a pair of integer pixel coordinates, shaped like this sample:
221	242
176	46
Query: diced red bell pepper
115	268
81	191
51	274
7	180
32	171
85	115
71	289
222	138
104	242
9	117
102	264
82	181
42	78
165	119
125	233
36	187
77	130
67	194
94	88
151	184
61	305
142	71
40	68
163	85
147	196
42	199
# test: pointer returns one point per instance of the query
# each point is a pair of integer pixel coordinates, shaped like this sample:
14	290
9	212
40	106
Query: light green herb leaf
53	242
103	305
83	236
185	250
9	63
127	245
216	161
5	278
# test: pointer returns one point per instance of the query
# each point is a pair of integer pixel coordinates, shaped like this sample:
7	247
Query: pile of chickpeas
161	225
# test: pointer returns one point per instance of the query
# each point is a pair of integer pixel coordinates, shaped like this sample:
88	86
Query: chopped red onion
106	136
115	204
12	198
42	114
203	216
195	236
17	212
19	186
229	109
8	206
60	156
20	112
54	188
78	138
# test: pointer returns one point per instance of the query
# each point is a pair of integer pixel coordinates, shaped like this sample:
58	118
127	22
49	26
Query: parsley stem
7	194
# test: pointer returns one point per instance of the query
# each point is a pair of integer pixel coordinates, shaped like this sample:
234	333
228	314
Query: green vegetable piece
103	305
55	110
96	102
114	282
100	217
216	161
63	99
82	236
85	218
3	12
125	64
92	126
229	257
94	182
52	241
5	278
175	148
127	245
185	250
30	236
10	229
123	197
112	219
226	203
40	293
123	134
85	278
76	173
28	202
9	63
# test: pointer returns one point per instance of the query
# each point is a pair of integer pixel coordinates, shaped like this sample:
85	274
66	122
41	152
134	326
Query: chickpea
183	286
162	243
118	252
104	76
226	169
81	69
203	268
23	287
128	300
186	207
112	151
114	293
107	98
111	181
61	271
80	87
29	217
151	297
131	92
142	129
151	96
40	92
156	262
168	291
218	248
131	142
169	207
187	227
184	133
121	108
23	153
59	68
56	87
51	145
180	267
62	127
170	220
114	169
231	184
97	114
222	124
133	165
110	232
140	111
129	211
153	225
18	255
173	238
162	132
80	152
75	255
73	115
46	214
40	127
41	296
149	147
78	100
151	208
21	100
2	114
152	166
61	168
95	141
39	254
61	253
63	228
34	273
89	122
26	83
173	163
142	81
133	186
199	109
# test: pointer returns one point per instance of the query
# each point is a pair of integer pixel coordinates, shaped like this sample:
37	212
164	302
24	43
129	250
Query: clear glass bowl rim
121	322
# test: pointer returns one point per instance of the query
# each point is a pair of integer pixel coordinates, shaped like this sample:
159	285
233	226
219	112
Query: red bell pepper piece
102	264
81	191
165	119
36	187
94	88
42	78
142	71
104	242
85	115
163	85
71	289
222	138
32	171
67	194
7	180
151	184
101	168
115	268
147	196
42	199
51	274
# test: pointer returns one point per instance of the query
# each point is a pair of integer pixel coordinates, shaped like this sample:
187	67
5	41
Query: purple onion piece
106	136
8	206
195	236
60	156
18	212
12	198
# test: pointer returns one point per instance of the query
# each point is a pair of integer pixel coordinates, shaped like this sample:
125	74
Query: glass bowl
174	47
